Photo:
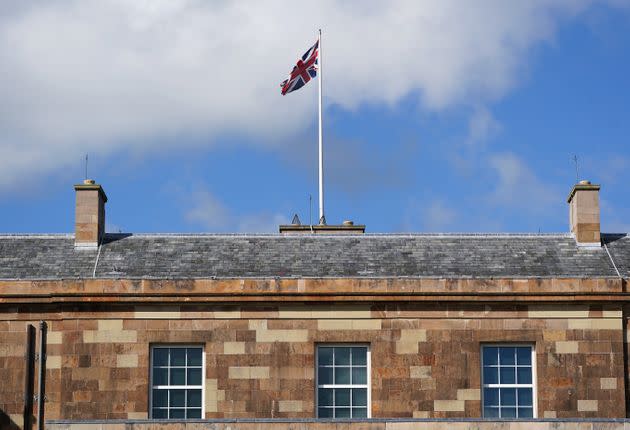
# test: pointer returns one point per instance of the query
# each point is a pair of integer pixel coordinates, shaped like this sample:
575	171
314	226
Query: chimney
584	213
89	226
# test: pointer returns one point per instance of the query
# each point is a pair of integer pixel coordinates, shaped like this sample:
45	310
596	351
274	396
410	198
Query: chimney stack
89	226
584	213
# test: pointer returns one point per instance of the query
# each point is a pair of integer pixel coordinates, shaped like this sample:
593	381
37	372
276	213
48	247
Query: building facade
316	325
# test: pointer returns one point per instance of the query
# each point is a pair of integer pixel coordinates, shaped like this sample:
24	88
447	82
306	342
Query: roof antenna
86	166
577	176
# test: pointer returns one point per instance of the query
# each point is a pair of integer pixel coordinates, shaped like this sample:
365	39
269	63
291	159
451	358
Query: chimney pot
584	213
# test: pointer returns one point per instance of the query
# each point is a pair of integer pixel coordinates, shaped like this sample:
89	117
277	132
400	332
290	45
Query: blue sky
470	129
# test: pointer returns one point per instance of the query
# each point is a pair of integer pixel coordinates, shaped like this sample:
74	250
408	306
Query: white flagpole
322	218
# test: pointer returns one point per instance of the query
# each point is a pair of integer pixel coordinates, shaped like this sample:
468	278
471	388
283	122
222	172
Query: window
508	381
343	384
176	382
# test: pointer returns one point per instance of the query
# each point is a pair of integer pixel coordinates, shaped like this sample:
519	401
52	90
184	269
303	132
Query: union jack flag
303	71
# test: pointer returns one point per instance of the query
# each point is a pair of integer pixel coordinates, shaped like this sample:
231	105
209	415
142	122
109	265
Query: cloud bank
116	75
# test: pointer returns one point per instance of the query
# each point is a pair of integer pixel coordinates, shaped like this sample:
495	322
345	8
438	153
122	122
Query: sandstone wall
260	359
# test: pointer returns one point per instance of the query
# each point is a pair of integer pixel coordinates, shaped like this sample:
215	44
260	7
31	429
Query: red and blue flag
303	71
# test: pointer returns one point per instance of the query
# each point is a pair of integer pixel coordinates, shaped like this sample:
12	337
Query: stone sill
350	424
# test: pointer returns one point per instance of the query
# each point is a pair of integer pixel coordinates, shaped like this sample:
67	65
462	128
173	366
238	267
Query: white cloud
438	217
518	187
102	76
482	126
207	211
429	216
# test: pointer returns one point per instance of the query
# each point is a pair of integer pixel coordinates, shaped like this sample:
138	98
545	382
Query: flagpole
322	218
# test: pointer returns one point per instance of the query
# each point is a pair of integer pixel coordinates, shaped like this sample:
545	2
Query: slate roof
368	256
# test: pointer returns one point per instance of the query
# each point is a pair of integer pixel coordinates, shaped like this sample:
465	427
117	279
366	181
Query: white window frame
178	387
533	385
367	385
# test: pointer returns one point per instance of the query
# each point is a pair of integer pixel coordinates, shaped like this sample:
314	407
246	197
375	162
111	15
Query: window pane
177	398
176	366
342	397
325	412
338	367
525	413
160	356
359	375
491	397
491	412
490	375
178	376
160	413
178	356
160	376
359	356
325	375
524	355
342	412
193	398
490	355
508	396
508	412
525	397
194	377
524	375
194	413
508	376
194	356
507	356
177	413
160	398
325	397
359	397
342	375
342	356
359	412
325	356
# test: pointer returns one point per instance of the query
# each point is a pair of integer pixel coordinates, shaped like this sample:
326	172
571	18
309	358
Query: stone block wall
260	359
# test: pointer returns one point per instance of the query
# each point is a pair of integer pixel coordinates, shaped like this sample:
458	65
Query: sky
439	116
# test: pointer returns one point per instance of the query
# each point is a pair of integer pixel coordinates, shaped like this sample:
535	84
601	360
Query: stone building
314	325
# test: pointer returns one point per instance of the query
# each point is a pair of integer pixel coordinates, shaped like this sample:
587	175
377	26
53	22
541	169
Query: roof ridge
297	236
37	235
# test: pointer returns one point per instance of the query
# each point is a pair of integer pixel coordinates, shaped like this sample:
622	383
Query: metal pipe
29	377
41	388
